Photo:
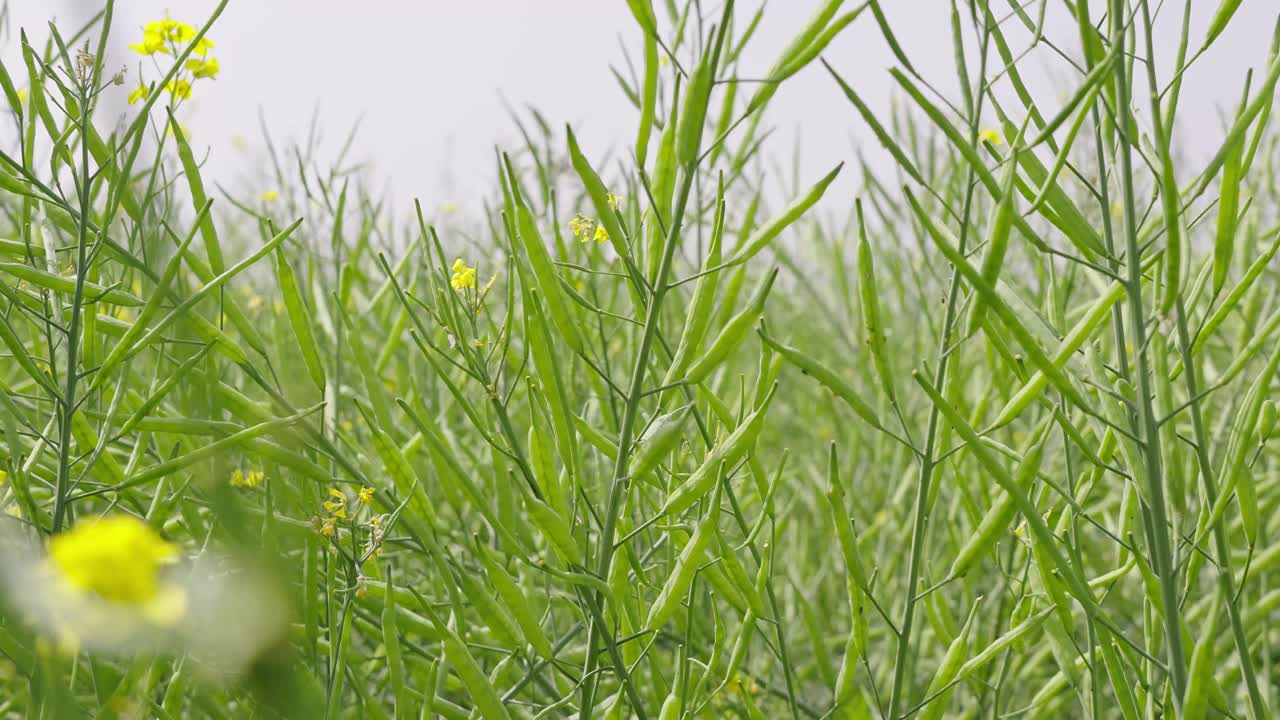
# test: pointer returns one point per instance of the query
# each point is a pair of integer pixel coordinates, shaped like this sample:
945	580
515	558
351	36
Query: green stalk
1154	510
1226	577
626	433
84	188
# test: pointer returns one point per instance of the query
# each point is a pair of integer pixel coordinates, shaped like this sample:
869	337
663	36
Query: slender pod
762	236
872	319
824	375
727	452
947	670
299	319
686	567
732	335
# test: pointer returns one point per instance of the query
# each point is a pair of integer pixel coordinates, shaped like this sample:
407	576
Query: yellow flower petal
117	558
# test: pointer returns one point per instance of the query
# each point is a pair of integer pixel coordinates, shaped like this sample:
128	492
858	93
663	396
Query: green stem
67	407
903	656
626	435
1154	508
1226	580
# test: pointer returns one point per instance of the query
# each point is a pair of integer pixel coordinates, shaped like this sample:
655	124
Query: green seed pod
673	706
826	377
746	633
681	579
1023	623
299	319
1195	704
732	335
547	279
947	670
738	578
701	307
1238	443
1266	420
515	601
761	237
845	533
729	451
555	529
717	577
872	323
996	521
483	694
67	285
662	436
693	115
395	656
191	169
499	623
1000	228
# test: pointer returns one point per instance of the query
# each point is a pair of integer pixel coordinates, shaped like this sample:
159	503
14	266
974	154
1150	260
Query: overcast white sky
427	77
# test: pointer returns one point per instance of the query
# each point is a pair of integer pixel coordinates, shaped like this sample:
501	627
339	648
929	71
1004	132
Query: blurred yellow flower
269	195
251	479
337	507
581	226
119	559
614	201
22	95
990	136
171	30
203	68
365	495
186	132
179	88
328	527
139	93
152	43
463	276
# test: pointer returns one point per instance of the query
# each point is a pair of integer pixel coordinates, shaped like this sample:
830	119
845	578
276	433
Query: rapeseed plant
1001	442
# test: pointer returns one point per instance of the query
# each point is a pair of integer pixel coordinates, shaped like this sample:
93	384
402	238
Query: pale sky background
427	78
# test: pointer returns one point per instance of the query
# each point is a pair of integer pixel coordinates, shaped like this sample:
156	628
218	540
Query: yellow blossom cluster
170	37
586	229
463	275
251	479
118	559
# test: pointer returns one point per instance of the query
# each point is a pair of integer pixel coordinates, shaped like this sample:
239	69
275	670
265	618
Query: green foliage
648	438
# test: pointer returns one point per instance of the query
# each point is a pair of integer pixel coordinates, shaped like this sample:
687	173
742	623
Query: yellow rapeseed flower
337	507
328	527
119	559
463	276
269	195
22	95
171	30
139	93
601	234
251	479
581	227
203	68
152	43
179	88
614	201
990	135
365	495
